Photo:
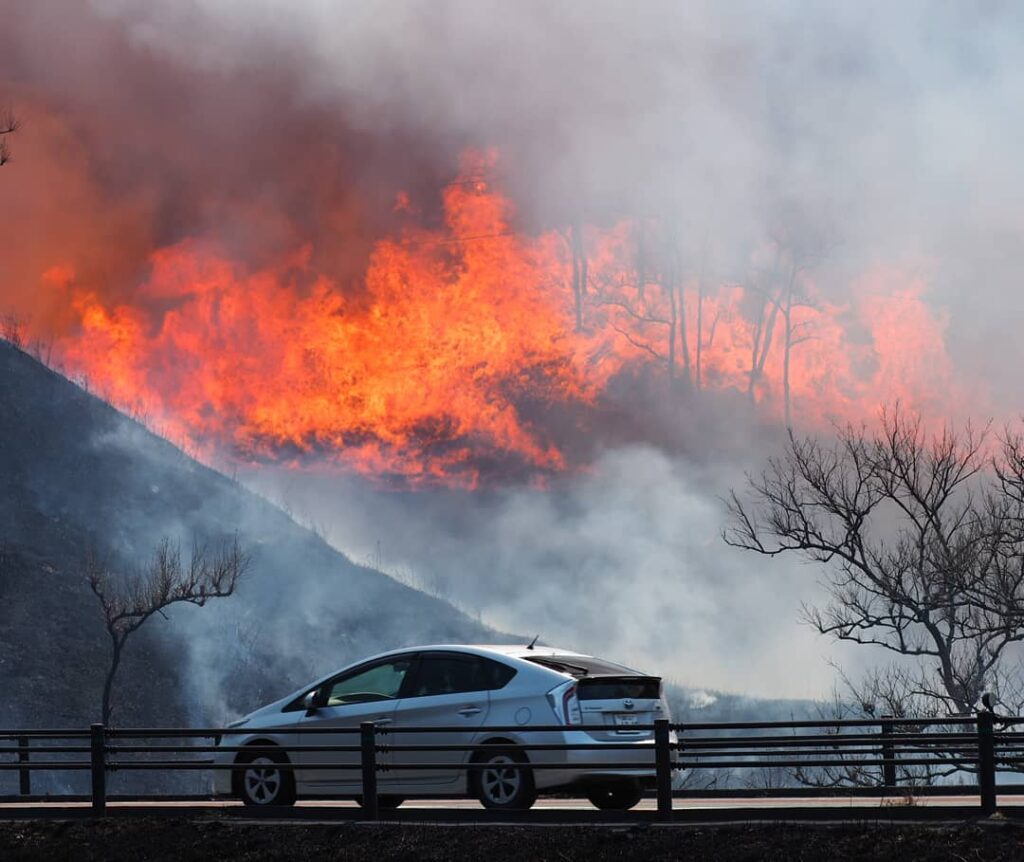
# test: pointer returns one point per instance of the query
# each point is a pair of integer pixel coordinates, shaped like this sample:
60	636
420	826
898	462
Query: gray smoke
892	129
625	561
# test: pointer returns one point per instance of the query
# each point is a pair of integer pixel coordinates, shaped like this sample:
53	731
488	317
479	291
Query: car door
448	689
366	693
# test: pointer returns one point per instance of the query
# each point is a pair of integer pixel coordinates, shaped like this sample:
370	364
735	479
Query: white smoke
625	561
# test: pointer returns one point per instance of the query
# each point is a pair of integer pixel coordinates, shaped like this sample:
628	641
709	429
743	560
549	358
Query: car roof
507	650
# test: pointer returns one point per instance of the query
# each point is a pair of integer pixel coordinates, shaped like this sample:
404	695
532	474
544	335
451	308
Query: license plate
627	720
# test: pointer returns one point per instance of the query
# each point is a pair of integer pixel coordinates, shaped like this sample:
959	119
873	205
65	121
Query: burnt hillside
75	473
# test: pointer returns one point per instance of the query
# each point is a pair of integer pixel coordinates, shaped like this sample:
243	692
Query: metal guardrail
970	744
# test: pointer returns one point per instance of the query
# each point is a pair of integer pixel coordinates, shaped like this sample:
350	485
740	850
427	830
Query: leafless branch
8	126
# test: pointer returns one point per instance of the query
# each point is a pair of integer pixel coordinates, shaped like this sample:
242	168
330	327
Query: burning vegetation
470	348
281	261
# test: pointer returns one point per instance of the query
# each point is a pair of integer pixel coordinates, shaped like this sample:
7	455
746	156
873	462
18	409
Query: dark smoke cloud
267	125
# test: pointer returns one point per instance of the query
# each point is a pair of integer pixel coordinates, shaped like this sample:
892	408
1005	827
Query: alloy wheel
262	781
500	783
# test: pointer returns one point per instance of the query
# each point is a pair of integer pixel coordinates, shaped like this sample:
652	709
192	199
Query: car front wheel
617	796
262	782
501	784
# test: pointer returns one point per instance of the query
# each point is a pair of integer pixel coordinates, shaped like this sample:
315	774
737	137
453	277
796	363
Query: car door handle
468	711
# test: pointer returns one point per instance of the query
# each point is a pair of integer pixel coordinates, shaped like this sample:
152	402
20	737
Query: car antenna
534	641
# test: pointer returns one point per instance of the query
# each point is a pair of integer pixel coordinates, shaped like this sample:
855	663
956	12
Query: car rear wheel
500	784
261	781
616	796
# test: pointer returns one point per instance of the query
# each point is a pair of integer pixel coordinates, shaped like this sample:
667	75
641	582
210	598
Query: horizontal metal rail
852	757
169	733
50	749
980	745
756	764
525	746
822	739
384	767
843	722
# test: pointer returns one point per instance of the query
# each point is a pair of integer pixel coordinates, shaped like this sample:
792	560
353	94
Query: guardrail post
987	761
368	743
888	753
663	767
25	773
97	736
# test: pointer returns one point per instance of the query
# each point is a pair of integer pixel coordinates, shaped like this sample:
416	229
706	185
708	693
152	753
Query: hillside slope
76	473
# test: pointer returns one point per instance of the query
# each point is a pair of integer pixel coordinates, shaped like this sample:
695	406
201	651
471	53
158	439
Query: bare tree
766	295
922	540
128	602
8	126
649	304
801	241
802	248
793	332
698	379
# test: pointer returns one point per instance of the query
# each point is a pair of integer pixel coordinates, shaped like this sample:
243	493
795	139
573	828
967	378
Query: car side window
383	681
495	675
456	674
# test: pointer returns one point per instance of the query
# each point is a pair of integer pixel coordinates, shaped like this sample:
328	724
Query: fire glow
465	339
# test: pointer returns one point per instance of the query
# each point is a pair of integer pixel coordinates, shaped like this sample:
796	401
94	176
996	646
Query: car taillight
564	703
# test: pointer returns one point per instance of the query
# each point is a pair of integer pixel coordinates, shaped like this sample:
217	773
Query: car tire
261	782
616	796
500	787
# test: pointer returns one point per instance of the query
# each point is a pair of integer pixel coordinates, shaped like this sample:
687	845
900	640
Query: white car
471	688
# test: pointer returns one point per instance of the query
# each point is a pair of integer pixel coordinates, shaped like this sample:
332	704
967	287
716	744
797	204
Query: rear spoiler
618	677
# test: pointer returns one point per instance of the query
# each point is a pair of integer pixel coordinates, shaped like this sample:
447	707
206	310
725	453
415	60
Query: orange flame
464	339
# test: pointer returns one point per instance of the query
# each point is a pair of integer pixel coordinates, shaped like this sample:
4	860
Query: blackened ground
132	840
77	476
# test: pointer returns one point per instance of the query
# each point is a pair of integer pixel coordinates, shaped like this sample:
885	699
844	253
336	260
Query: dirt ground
135	839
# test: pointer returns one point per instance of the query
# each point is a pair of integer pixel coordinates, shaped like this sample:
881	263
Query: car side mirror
309	701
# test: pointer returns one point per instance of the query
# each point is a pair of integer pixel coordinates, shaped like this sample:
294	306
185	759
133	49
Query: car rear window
619	688
581	666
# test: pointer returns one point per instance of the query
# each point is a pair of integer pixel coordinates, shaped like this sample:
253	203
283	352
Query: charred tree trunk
699	337
579	270
673	317
641	259
790	340
764	331
679	319
108	683
787	352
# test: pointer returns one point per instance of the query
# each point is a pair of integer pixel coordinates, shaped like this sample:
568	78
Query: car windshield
381	682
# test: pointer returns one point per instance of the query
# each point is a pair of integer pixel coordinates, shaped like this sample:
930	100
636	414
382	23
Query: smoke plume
336	247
